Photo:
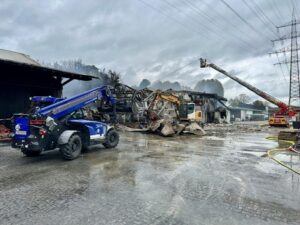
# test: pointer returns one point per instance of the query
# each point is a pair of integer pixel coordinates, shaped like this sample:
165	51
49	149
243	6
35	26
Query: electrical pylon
293	62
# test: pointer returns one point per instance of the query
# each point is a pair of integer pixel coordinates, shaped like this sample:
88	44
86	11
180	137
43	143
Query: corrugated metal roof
17	57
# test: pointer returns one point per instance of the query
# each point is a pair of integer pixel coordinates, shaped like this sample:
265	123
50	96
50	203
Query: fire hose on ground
273	152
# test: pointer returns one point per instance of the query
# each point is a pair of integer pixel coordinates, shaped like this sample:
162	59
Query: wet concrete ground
152	180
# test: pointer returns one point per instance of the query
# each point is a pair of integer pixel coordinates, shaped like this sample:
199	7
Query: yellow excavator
187	110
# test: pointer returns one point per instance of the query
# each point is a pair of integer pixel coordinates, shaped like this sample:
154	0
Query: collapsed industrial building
166	112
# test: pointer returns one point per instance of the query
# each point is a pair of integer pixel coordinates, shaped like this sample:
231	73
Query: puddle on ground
289	158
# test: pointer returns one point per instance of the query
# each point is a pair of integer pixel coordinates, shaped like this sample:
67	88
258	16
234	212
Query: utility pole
293	62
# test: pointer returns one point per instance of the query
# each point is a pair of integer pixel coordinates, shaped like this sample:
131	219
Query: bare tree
242	98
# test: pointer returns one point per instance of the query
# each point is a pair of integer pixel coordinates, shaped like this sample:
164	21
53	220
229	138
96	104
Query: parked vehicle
63	125
280	118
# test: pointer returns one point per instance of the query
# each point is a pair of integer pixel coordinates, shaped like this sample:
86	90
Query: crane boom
283	108
64	107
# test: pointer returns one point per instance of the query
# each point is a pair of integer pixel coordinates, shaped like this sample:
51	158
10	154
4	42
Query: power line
275	10
194	21
218	35
171	18
262	12
207	28
202	13
281	69
284	54
259	17
241	18
222	16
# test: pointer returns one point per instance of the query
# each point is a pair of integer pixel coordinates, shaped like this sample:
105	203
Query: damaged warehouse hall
168	112
149	112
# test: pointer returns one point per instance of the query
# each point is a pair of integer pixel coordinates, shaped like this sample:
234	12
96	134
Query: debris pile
168	112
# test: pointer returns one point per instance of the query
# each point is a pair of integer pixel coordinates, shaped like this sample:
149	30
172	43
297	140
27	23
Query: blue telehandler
64	125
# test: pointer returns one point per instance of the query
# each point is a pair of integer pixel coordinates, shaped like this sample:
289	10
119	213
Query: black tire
30	153
72	149
112	139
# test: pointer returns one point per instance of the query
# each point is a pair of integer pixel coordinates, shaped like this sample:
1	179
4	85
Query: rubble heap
168	112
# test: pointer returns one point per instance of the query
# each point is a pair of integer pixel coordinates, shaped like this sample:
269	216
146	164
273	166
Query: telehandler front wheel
112	139
72	149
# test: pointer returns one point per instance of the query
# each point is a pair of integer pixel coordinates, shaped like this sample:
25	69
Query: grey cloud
139	42
156	68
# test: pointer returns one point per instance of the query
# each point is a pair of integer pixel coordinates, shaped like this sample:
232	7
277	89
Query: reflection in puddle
291	159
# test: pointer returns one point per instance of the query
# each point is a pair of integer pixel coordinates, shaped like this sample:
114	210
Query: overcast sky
151	39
